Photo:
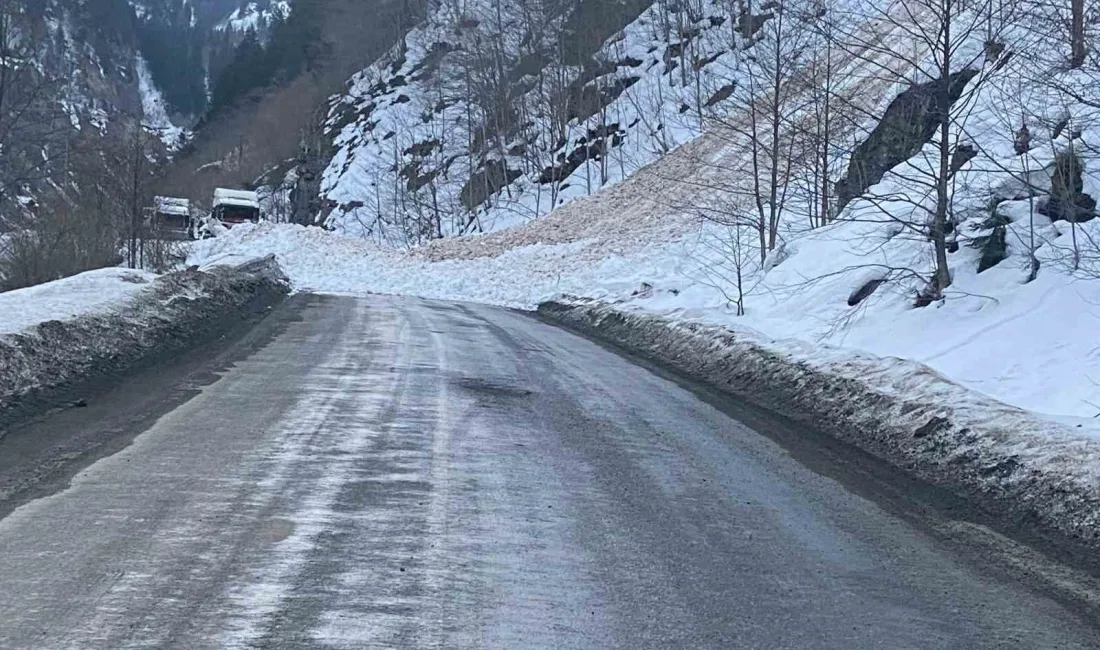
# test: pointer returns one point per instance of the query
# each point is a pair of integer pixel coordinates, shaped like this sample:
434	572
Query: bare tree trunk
942	276
1077	33
135	207
1033	261
826	129
776	115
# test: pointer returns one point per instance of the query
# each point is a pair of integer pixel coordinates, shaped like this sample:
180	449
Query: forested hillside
267	105
95	97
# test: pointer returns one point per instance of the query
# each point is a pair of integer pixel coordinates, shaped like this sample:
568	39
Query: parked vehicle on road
230	208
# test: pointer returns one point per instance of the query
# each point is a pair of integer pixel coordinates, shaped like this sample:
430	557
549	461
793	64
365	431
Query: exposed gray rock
908	124
1067	201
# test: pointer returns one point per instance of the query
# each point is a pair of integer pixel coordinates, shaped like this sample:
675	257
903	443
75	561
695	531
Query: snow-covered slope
421	151
155	112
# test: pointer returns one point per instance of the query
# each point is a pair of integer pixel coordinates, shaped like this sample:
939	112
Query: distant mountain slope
255	15
268	98
188	43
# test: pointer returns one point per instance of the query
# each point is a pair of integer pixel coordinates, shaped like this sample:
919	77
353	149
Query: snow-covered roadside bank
82	339
1026	470
97	292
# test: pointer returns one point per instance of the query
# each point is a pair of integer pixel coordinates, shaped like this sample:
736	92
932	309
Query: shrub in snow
1067	202
992	241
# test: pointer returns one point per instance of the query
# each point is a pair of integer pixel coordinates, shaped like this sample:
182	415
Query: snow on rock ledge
55	362
1021	468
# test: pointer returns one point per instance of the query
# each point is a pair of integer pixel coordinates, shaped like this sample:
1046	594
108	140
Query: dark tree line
175	58
295	45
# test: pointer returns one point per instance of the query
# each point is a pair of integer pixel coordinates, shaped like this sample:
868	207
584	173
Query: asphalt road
391	473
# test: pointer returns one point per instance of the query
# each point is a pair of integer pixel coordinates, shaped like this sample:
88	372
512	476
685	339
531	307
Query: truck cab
232	207
170	218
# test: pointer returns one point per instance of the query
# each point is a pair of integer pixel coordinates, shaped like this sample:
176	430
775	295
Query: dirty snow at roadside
89	293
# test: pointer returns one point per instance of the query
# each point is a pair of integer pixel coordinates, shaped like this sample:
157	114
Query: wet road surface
394	473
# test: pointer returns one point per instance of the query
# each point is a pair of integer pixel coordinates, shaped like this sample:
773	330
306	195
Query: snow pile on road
98	292
317	260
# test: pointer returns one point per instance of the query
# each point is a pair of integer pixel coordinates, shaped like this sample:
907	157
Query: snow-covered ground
90	293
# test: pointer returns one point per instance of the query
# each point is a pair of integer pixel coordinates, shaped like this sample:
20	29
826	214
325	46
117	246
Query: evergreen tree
295	46
250	68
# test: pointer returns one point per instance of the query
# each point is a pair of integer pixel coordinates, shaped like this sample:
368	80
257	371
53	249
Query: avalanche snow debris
1031	345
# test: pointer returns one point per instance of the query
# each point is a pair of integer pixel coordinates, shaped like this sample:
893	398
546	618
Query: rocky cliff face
72	81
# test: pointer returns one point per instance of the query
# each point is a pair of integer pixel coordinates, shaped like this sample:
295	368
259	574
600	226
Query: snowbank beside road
1027	470
95	292
57	362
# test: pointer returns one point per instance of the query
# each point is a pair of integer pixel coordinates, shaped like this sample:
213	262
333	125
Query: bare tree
936	45
725	257
1077	33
